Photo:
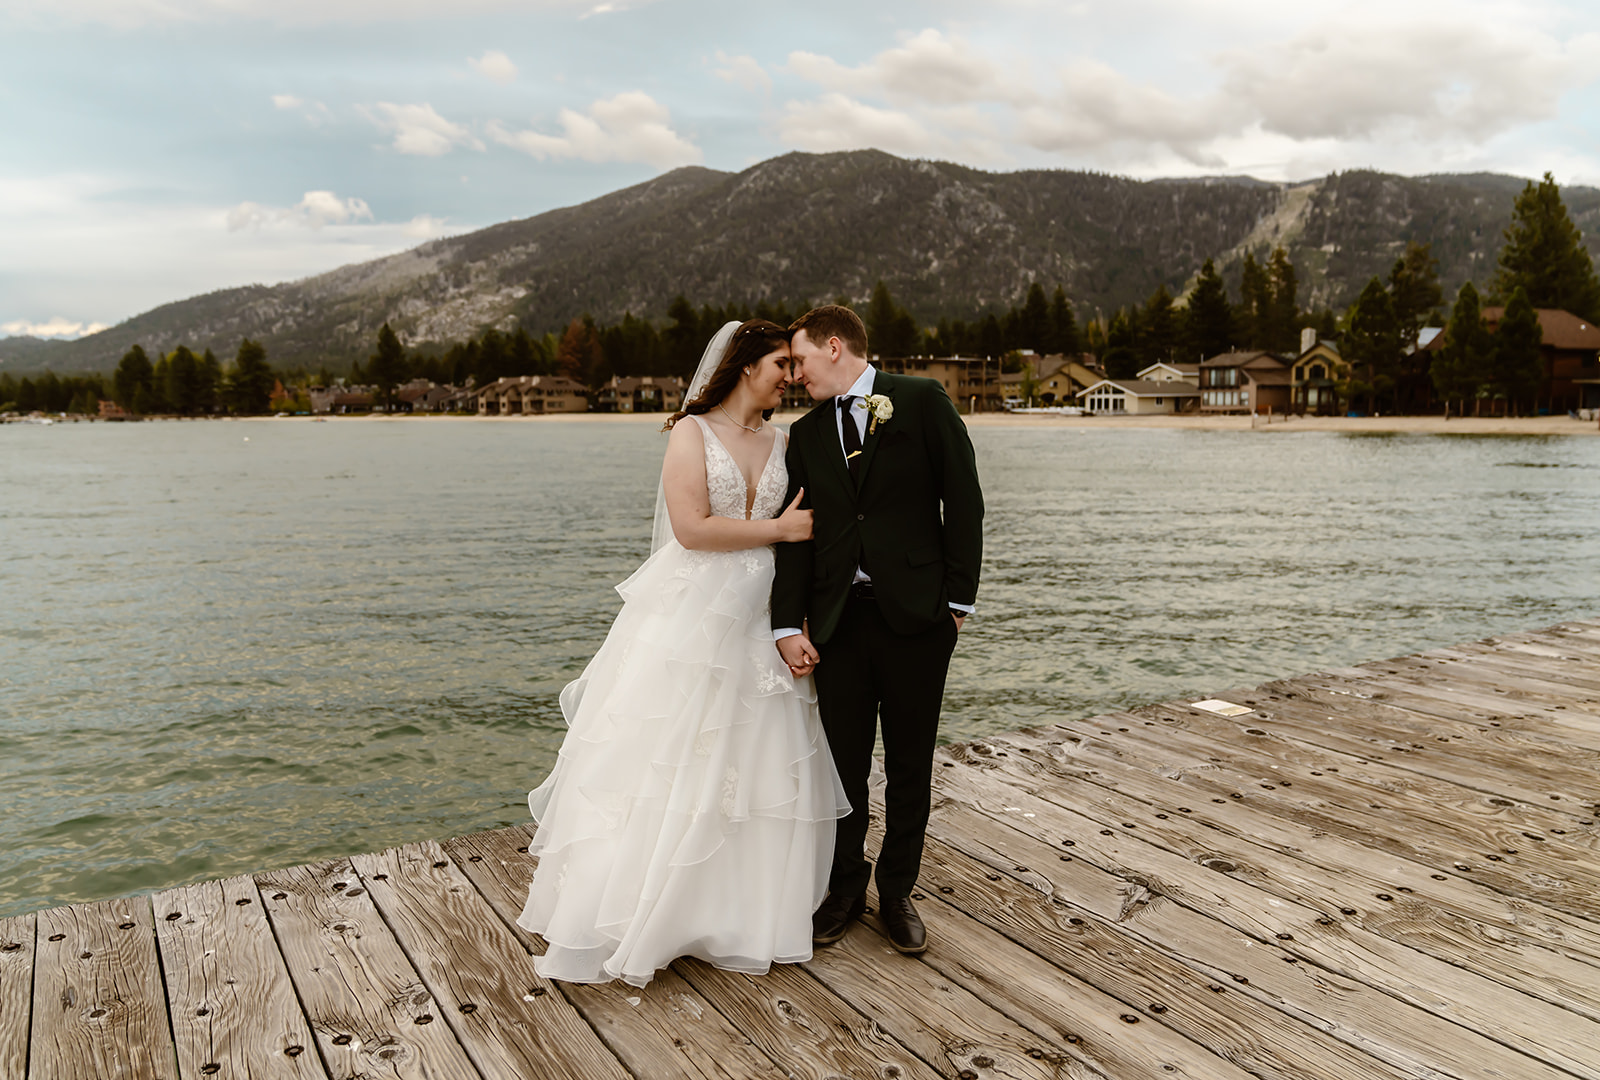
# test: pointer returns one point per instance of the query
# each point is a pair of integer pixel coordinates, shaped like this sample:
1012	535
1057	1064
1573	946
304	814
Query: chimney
1308	338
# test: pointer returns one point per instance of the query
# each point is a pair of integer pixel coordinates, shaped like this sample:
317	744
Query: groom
875	599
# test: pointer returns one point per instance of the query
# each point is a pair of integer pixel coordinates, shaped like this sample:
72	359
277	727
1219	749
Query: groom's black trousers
870	673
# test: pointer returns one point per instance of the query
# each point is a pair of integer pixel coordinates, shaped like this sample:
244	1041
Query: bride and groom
710	797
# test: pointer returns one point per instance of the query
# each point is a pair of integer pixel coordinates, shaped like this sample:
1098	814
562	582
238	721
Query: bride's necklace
752	430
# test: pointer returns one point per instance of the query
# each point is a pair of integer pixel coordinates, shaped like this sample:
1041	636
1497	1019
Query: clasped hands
802	657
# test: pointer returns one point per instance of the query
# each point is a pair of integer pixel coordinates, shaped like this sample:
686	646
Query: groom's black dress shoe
903	925
830	921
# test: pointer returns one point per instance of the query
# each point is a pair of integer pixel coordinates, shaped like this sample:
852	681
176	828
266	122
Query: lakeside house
1138	397
1315	375
1571	353
110	410
974	383
1171	372
641	393
531	395
1241	383
423	396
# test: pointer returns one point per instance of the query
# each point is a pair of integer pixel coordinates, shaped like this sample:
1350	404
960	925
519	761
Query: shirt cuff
784	631
965	609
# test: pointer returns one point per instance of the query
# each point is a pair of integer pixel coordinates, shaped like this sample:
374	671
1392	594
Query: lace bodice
726	483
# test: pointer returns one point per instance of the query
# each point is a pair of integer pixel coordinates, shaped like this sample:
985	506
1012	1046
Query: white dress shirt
858	413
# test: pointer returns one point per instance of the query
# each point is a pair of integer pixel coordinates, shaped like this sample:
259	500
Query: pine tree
1158	329
250	382
1208	325
1544	254
1461	367
133	374
1278	314
1255	296
1373	343
181	385
1033	321
681	340
1518	363
387	367
1063	326
1414	288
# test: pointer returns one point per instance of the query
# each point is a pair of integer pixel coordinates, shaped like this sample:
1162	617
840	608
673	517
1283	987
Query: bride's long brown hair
751	341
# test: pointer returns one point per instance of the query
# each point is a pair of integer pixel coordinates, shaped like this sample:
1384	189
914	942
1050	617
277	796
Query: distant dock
1387	871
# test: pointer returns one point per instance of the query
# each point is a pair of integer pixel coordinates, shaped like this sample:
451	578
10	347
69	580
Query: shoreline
1369	425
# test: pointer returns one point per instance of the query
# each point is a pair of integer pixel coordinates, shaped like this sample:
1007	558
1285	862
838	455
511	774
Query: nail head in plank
502	1011
369	1010
98	1006
233	1008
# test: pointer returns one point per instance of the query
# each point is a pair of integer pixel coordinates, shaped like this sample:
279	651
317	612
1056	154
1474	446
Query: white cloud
837	122
313	211
1356	79
929	69
744	71
495	66
314	111
631	126
56	327
419	130
426	227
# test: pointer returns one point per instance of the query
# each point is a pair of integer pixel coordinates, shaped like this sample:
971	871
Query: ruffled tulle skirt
691	809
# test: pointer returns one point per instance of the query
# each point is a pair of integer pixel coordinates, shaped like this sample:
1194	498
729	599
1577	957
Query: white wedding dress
691	809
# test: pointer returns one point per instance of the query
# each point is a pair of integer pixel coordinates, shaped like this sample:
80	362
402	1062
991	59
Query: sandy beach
1389	425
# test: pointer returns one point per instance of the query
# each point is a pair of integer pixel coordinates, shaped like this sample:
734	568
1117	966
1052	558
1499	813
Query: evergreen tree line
183	384
52	393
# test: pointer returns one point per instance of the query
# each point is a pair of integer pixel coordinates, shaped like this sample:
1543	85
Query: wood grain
663	1030
233	1009
501	1010
1316	937
1410	917
98	1007
1019	885
1163	800
370	1013
16	992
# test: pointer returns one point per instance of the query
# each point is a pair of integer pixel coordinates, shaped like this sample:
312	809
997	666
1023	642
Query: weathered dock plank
1074	919
1383	872
369	1010
1144	888
233	1009
501	1010
98	1005
1344	873
16	992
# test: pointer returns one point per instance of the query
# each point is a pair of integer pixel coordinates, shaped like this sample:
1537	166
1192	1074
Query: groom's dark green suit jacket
912	518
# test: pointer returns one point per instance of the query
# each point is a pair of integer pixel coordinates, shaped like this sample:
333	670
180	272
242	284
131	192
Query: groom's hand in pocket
798	652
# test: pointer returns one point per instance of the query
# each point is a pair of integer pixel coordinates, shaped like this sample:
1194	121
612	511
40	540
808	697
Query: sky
152	150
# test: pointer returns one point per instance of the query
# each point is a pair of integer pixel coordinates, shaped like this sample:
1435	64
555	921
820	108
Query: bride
691	808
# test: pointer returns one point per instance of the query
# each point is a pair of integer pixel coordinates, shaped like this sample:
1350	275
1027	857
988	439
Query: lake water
227	646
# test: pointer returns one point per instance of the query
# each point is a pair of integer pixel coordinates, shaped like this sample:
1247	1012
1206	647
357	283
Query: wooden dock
1388	871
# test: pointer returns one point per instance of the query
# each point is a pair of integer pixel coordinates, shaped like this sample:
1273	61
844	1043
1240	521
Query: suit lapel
881	384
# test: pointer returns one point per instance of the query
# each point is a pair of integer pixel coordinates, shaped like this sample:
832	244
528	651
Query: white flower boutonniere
880	408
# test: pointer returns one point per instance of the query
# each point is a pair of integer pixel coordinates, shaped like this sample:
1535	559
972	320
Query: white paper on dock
1222	708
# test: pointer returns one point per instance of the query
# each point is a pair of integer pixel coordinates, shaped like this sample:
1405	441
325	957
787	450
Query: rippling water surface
230	646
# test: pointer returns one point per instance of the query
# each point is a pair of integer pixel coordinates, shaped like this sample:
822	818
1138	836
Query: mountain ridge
948	239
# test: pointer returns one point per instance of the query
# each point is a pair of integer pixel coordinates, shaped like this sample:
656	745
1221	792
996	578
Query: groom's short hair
830	321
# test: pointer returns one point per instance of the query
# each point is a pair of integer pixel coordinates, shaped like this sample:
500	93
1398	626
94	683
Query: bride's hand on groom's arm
794	524
798	652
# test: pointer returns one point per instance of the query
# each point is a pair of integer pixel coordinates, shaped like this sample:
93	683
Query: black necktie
852	434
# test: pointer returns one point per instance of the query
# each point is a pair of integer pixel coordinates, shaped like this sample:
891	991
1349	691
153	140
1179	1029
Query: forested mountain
947	239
